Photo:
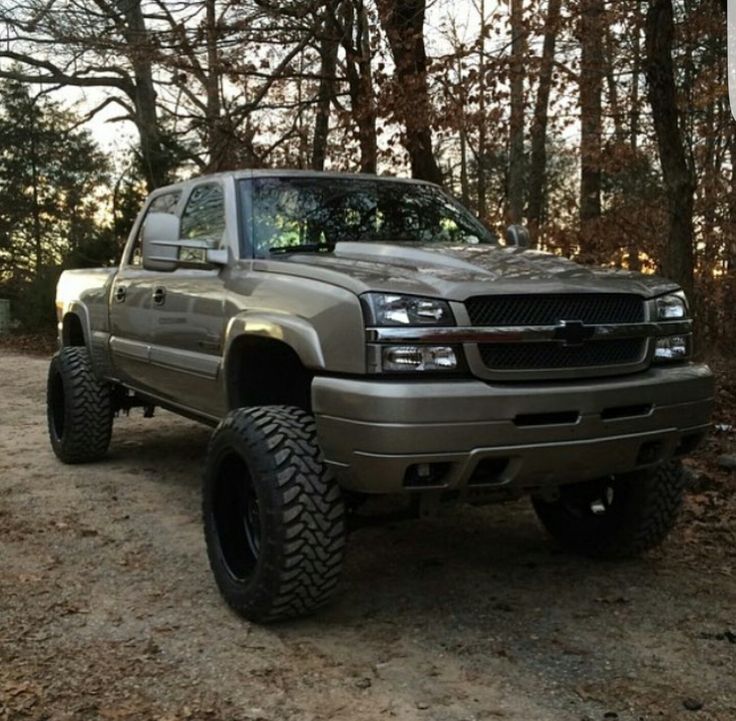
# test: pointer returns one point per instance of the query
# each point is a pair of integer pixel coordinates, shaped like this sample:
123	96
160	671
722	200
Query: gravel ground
108	609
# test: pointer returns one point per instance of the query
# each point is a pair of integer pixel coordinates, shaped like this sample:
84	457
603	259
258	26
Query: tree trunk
153	153
516	126
403	21
613	99
356	43
731	234
328	65
633	260
37	238
217	141
482	122
464	182
591	87
677	172
538	165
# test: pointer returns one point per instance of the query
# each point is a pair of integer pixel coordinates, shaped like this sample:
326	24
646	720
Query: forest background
603	126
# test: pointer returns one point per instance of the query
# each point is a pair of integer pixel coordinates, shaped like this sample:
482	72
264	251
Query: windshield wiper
303	248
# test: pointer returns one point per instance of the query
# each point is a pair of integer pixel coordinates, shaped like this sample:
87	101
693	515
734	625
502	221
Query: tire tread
88	408
305	560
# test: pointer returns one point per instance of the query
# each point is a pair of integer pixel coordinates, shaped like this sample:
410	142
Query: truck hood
458	272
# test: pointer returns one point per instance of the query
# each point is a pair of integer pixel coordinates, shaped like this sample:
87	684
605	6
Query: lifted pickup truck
354	335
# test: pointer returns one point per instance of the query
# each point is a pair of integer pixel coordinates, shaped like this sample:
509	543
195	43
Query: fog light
672	348
419	358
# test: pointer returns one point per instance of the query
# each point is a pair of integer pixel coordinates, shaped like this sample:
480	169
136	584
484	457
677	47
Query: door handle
120	294
159	296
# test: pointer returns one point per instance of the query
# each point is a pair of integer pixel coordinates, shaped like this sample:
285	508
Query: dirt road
108	610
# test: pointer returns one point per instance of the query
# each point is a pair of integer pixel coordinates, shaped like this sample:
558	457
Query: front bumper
375	433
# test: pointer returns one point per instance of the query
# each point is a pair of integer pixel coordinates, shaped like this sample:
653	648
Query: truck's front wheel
617	517
79	408
274	517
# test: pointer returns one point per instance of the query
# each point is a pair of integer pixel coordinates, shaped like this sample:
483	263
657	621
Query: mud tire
641	511
274	516
79	408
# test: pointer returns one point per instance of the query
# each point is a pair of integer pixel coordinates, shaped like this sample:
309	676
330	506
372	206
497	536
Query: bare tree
329	44
591	87
517	163
482	122
538	163
677	170
403	22
356	42
91	44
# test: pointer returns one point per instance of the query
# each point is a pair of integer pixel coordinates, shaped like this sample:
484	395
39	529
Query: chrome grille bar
526	334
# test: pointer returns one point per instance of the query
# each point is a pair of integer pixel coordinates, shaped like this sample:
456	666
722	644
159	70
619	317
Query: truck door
188	310
131	303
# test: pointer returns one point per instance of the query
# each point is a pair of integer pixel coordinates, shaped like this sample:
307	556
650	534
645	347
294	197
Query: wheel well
72	331
265	372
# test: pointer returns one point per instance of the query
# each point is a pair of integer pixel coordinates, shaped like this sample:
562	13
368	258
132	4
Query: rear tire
274	517
620	517
79	408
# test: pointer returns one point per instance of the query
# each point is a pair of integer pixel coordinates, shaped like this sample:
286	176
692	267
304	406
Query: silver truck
349	336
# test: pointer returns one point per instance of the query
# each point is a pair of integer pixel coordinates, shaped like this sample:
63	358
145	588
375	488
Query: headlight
387	309
672	307
418	358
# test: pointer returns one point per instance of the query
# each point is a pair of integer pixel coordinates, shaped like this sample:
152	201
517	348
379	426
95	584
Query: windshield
314	213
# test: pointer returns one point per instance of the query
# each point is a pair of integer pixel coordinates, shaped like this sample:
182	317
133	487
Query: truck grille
590	308
553	356
550	310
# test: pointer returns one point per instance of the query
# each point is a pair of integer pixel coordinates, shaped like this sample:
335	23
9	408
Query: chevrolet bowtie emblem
573	332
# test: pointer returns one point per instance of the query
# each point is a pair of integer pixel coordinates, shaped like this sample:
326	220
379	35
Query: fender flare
79	310
295	332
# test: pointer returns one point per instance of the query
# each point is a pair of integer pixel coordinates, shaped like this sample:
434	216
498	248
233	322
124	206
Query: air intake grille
533	356
542	309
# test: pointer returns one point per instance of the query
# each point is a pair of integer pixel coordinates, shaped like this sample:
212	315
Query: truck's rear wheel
618	517
274	517
79	408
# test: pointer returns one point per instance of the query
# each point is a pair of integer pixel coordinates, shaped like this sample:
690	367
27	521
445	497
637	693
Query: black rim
237	517
56	403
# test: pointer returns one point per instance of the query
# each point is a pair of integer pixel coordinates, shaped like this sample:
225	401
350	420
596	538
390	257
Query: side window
203	219
165	203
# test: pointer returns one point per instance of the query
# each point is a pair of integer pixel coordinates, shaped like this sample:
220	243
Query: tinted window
296	211
165	203
204	216
204	220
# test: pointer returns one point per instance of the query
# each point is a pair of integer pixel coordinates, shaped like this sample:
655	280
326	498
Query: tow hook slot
619	412
489	472
426	475
561	418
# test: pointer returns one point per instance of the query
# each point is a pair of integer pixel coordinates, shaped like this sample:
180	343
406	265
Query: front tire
79	408
618	517
274	517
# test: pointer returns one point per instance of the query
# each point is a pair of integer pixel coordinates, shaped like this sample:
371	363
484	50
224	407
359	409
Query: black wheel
79	408
274	517
617	517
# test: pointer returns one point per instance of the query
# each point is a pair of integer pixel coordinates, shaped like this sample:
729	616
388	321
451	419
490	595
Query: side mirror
517	236
159	242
